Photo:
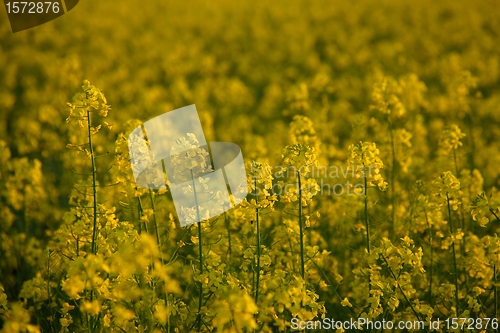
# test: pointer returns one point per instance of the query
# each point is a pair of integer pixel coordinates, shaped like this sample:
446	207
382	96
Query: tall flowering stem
259	173
387	99
364	161
157	232
495	291
495	285
448	191
93	323
90	100
367	220
301	228
455	270
300	158
399	287
431	270
449	141
200	297
190	161
200	249
229	250
140	212
94	188
257	283
482	206
81	108
393	182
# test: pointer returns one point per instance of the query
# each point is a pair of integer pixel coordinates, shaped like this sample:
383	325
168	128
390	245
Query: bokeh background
396	73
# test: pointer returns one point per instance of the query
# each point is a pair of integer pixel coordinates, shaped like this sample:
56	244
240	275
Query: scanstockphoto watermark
358	324
361	324
329	180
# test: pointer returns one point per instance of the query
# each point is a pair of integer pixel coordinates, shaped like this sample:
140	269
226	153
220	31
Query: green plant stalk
200	248
401	289
495	291
229	250
93	325
455	161
431	271
200	297
334	289
469	120
155	220
393	178
49	295
257	283
460	215
140	209
174	254
94	329
367	221
455	273
309	234
88	319
301	227
367	225
496	216
157	232
168	319
94	188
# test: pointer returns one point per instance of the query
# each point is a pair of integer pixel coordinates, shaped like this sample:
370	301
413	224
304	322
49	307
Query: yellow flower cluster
189	159
483	208
302	131
364	160
450	139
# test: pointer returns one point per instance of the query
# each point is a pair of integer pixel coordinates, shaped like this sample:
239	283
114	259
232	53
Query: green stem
200	297
367	225
401	289
226	219
455	273
155	220
367	221
455	160
89	322
469	120
200	248
334	289
496	216
495	290
393	178
460	215
174	253
94	188
140	213
94	194
432	256
257	283
301	226
168	319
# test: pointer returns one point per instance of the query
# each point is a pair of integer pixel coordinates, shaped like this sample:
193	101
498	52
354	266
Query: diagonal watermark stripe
205	180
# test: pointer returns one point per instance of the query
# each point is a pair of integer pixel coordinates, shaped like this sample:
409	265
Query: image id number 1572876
32	7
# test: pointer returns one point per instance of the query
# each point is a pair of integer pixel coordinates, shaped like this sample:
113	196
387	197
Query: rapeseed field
370	132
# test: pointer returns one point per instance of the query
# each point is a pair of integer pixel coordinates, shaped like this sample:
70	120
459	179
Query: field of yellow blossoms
370	132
